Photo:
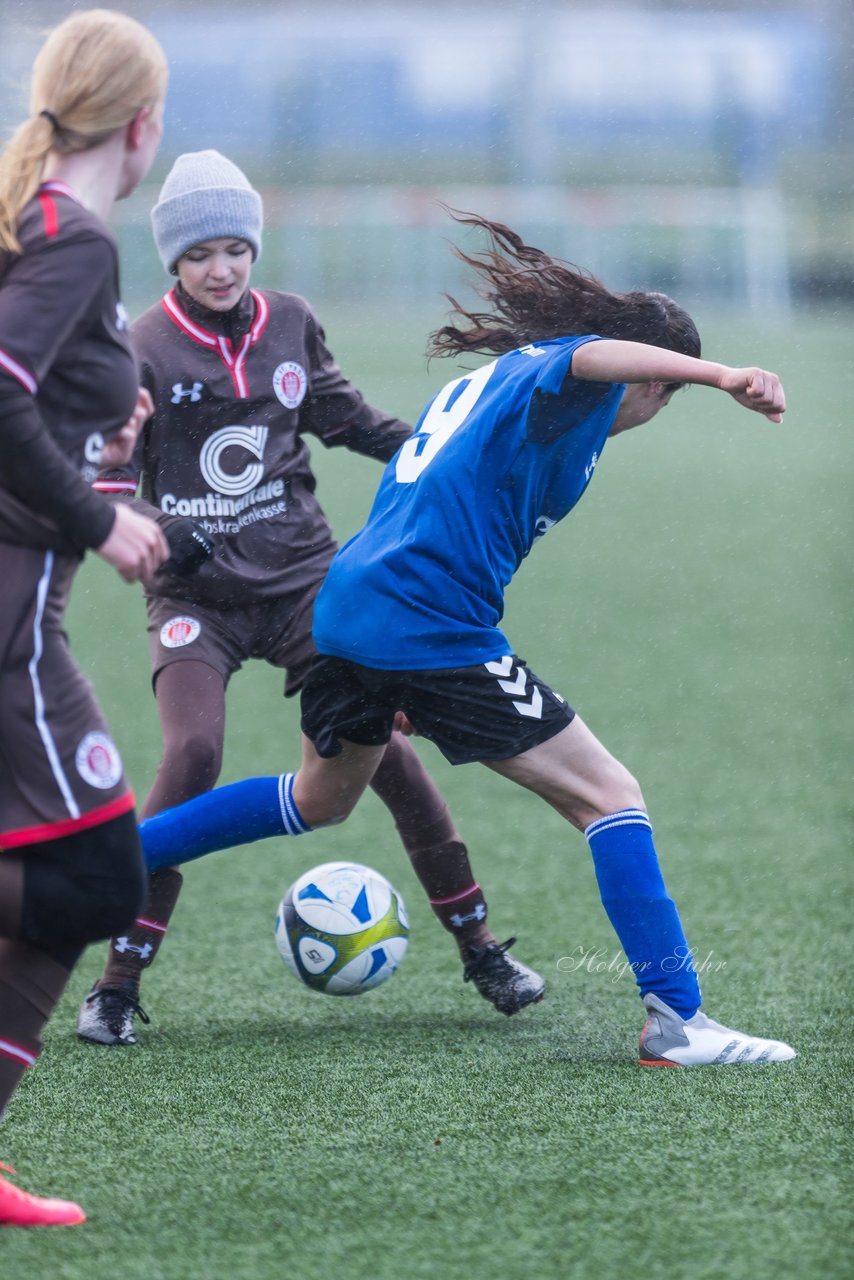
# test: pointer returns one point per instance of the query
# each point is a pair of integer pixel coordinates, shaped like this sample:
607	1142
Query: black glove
190	547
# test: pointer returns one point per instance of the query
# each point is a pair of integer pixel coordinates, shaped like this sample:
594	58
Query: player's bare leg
326	791
593	791
575	774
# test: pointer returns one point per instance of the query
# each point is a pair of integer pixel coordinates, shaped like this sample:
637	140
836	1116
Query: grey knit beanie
204	197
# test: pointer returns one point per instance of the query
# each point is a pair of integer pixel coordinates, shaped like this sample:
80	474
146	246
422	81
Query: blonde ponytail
21	168
94	72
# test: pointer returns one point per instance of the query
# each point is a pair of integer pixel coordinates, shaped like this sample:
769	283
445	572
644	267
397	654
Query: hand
756	389
189	546
402	724
119	448
135	545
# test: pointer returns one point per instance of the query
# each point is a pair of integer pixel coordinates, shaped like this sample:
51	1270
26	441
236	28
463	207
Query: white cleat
106	1015
670	1041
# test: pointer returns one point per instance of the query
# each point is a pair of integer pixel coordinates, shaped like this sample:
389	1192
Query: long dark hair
535	297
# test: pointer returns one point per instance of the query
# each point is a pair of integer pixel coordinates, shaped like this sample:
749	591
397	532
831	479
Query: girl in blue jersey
407	622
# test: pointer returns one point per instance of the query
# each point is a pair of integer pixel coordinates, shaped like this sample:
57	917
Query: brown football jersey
66	369
234	396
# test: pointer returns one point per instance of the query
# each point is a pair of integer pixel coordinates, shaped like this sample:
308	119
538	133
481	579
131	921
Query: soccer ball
342	928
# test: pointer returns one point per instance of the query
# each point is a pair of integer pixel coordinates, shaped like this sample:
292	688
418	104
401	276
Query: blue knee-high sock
236	814
644	916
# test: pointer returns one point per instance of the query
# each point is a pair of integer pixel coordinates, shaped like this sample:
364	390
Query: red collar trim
235	361
178	316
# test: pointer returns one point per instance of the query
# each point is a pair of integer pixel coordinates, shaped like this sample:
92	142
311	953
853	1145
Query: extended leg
575	773
323	793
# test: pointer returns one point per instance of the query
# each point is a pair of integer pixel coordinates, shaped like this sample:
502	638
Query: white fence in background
705	246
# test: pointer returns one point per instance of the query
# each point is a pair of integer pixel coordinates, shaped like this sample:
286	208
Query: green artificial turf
697	611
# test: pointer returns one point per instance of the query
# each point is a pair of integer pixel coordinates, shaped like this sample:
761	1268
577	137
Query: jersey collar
233	355
197	321
54	188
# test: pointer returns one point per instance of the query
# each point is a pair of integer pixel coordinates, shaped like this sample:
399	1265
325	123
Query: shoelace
486	953
126	1000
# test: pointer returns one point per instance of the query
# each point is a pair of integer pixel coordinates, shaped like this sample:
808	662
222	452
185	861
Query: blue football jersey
499	456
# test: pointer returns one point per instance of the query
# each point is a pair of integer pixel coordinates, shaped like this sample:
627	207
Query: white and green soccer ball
342	929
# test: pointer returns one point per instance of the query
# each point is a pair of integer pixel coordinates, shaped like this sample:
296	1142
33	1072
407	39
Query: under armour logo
180	392
124	944
479	913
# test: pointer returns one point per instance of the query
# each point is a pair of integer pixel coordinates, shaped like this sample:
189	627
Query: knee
323	806
327	812
327	790
618	789
193	757
624	792
614	790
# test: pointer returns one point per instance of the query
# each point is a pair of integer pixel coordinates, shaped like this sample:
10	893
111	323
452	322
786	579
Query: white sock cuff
623	818
291	819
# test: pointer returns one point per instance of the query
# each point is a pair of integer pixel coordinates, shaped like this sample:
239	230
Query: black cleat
501	979
106	1015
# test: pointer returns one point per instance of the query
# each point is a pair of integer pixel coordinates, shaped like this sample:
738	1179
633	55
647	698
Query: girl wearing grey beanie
239	377
205	197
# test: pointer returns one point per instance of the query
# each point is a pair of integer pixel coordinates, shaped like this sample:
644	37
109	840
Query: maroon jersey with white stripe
63	342
234	396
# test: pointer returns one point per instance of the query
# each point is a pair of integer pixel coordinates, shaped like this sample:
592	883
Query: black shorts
493	711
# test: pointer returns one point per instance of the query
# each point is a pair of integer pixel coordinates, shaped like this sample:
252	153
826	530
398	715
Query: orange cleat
20	1209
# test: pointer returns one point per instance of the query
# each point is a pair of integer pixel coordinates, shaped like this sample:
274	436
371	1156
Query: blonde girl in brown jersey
95	123
70	868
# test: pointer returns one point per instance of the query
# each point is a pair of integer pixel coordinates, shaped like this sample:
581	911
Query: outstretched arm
613	361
